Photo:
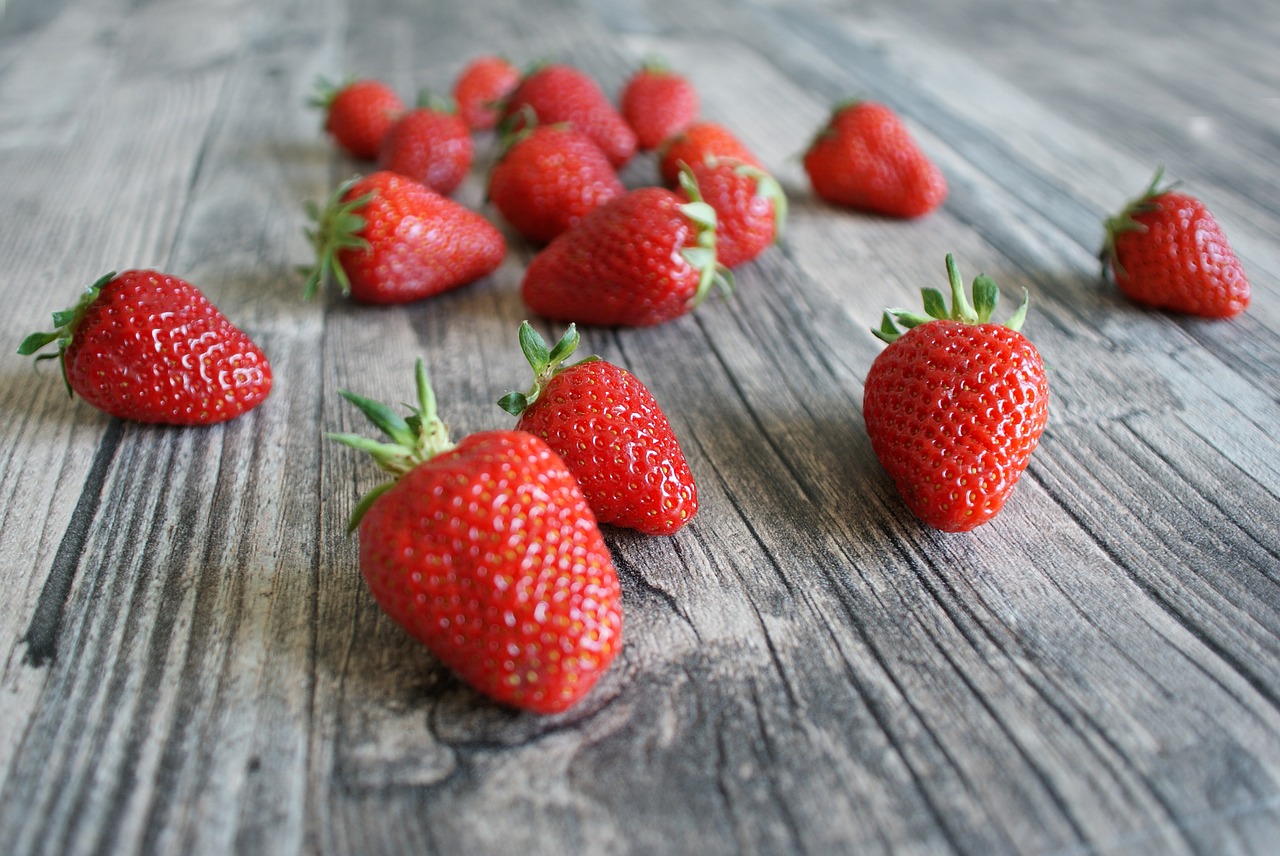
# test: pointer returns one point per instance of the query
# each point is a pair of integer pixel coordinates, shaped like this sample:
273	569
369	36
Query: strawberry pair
489	550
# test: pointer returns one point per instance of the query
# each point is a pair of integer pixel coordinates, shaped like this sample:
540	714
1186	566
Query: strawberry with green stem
611	433
358	113
486	551
1166	250
956	404
386	238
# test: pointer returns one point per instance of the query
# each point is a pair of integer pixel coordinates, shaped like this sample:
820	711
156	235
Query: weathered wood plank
193	663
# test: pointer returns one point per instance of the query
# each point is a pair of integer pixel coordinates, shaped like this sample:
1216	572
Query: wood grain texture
192	664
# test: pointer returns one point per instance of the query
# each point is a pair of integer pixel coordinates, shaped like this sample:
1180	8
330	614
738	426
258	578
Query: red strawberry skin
747	219
562	93
550	179
698	142
420	243
360	114
954	411
489	554
150	347
481	87
430	145
621	266
865	158
617	441
657	103
1175	256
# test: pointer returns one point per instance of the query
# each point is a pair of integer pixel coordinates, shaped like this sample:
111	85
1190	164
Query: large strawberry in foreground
865	158
610	431
389	239
642	258
955	405
487	552
1166	250
150	347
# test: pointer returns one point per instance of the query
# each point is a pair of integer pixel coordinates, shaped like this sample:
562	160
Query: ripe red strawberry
358	114
865	158
657	103
430	144
1166	250
695	144
562	93
487	552
549	178
150	347
749	204
955	405
481	88
642	258
388	239
611	433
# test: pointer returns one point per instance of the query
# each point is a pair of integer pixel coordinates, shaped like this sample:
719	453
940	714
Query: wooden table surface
193	664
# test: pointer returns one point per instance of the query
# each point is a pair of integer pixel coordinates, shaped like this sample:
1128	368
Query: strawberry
1165	249
548	178
642	258
358	114
150	347
487	552
955	405
749	204
865	158
611	433
562	93
388	239
657	103
430	144
695	144
480	89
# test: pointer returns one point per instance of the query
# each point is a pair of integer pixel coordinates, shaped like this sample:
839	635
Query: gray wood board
193	663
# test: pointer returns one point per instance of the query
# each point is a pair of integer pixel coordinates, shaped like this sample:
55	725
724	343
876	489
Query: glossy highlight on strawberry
955	405
150	347
487	552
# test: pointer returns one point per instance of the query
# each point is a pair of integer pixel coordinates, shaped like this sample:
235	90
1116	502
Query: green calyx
65	323
1125	221
545	363
337	226
326	90
414	439
986	294
702	255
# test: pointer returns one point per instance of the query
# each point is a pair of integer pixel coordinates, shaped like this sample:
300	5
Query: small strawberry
430	144
1166	250
611	433
388	239
549	178
642	258
487	552
955	405
150	347
749	204
695	144
562	93
481	88
865	158
358	114
657	103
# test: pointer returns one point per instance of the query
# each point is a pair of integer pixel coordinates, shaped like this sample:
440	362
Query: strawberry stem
1124	221
986	295
546	364
337	227
415	439
65	322
702	255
